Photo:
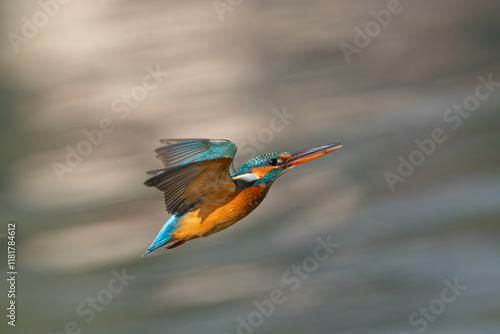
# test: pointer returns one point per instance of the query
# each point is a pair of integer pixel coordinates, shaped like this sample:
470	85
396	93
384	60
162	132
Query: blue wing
178	152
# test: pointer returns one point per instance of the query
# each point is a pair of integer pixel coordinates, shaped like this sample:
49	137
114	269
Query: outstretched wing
193	169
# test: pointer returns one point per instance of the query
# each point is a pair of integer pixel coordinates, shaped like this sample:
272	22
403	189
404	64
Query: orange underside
211	216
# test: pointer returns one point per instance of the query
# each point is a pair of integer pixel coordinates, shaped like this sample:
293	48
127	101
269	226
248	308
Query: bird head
266	168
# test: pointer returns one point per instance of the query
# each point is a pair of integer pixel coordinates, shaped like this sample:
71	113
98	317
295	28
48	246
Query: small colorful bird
203	192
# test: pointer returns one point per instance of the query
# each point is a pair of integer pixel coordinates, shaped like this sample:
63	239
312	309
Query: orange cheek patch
260	172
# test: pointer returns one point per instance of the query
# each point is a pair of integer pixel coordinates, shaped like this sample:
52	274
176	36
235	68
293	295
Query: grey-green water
420	257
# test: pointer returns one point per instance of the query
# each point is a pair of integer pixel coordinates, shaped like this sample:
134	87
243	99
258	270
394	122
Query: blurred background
87	89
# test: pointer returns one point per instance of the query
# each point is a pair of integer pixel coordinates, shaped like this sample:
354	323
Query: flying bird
204	193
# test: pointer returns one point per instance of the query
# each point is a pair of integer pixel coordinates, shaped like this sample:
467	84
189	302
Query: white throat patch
249	177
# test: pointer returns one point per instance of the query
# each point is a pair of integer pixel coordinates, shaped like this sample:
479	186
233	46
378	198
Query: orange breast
210	216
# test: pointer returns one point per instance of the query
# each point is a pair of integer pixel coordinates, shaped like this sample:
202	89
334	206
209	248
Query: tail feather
164	235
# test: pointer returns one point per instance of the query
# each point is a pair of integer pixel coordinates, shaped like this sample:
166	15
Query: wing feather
194	168
178	152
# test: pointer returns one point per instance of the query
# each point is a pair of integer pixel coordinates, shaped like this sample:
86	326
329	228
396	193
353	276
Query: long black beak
311	153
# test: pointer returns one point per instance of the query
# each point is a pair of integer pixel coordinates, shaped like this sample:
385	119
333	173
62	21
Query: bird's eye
273	162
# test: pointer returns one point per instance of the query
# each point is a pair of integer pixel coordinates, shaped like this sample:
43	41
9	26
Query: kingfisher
203	192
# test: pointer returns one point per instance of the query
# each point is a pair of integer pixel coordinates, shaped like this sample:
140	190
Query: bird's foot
175	244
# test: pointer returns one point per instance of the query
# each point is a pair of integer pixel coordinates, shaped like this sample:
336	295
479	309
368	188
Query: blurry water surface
397	249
